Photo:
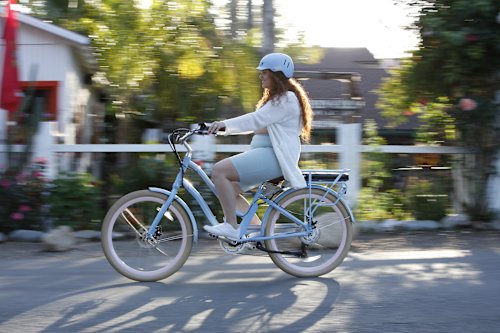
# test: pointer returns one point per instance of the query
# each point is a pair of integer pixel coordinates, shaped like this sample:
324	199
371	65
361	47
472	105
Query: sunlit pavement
420	282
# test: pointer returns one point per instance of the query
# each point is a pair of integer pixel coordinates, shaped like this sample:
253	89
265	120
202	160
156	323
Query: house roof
354	60
79	42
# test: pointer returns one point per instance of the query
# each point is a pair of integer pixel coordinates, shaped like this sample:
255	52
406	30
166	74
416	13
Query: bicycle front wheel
324	248
136	256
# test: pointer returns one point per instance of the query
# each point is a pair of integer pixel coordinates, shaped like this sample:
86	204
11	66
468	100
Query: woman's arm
270	113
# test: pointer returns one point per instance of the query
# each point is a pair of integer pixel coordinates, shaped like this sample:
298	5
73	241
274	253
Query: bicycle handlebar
180	135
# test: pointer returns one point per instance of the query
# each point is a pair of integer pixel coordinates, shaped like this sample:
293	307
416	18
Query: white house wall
54	61
44	56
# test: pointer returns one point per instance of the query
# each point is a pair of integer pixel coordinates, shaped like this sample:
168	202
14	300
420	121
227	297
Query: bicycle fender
183	204
281	195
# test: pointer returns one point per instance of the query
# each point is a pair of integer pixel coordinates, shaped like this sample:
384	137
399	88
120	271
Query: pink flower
21	178
5	183
17	216
38	174
24	208
467	104
40	160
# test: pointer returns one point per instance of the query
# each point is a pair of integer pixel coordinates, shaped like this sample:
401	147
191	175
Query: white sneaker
223	229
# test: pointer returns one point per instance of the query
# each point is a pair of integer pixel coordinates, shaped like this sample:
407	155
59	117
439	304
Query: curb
360	227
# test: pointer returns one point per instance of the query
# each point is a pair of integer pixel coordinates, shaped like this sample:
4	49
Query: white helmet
277	62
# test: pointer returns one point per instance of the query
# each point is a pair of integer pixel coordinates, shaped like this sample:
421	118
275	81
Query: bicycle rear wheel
130	252
324	248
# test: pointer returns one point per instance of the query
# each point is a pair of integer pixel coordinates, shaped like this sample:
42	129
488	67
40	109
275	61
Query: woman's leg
242	204
224	175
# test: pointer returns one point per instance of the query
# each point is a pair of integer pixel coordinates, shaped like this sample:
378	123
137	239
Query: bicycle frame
179	181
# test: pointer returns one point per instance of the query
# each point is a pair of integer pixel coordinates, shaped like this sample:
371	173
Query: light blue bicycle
147	235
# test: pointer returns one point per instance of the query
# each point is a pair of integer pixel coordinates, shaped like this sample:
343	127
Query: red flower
471	37
423	101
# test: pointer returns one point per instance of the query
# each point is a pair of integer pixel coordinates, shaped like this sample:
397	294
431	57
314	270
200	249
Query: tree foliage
164	64
451	82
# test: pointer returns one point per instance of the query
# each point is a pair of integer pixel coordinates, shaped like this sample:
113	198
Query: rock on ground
60	239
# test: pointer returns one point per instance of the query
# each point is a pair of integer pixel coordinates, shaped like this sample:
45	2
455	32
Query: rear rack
326	176
332	179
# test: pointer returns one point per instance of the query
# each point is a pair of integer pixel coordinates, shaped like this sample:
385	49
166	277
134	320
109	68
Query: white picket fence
349	150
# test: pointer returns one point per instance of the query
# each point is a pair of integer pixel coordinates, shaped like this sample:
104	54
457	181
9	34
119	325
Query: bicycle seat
276	181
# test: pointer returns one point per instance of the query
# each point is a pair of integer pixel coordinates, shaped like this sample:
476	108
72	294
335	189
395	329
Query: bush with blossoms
23	198
450	83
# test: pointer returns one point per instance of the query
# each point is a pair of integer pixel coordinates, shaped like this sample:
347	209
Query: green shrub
75	200
378	206
142	173
428	200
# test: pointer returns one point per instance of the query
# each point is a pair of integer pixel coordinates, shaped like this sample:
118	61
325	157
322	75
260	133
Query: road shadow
213	294
285	305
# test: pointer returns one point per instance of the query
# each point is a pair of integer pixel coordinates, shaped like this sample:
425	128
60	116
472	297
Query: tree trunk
472	177
233	10
249	15
268	27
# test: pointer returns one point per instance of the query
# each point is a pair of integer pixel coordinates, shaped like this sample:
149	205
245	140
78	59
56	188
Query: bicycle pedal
224	239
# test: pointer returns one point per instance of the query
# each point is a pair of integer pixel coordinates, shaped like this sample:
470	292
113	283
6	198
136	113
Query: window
45	92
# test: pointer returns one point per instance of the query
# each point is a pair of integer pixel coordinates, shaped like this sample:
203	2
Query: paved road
421	282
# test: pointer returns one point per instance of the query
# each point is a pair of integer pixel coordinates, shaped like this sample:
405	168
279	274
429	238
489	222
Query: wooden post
349	139
43	147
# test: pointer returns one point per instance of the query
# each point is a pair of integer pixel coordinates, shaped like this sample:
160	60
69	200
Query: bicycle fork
163	210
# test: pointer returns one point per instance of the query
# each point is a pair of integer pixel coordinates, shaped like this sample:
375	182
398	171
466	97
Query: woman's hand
216	126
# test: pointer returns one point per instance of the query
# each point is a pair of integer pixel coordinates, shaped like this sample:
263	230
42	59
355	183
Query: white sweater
282	119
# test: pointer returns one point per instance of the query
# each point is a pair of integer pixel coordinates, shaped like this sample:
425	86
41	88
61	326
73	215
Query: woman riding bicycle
282	119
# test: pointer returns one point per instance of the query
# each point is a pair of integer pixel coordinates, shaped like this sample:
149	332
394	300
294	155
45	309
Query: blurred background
405	93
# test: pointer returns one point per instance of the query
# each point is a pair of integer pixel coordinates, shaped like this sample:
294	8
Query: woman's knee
217	171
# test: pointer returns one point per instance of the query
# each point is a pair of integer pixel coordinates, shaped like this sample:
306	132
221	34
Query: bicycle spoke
334	223
326	244
134	218
160	250
173	238
130	224
141	255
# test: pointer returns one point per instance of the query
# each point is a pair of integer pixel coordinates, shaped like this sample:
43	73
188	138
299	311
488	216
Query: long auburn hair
280	85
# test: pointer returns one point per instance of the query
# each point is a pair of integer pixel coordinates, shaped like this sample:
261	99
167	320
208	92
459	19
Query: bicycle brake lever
202	129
